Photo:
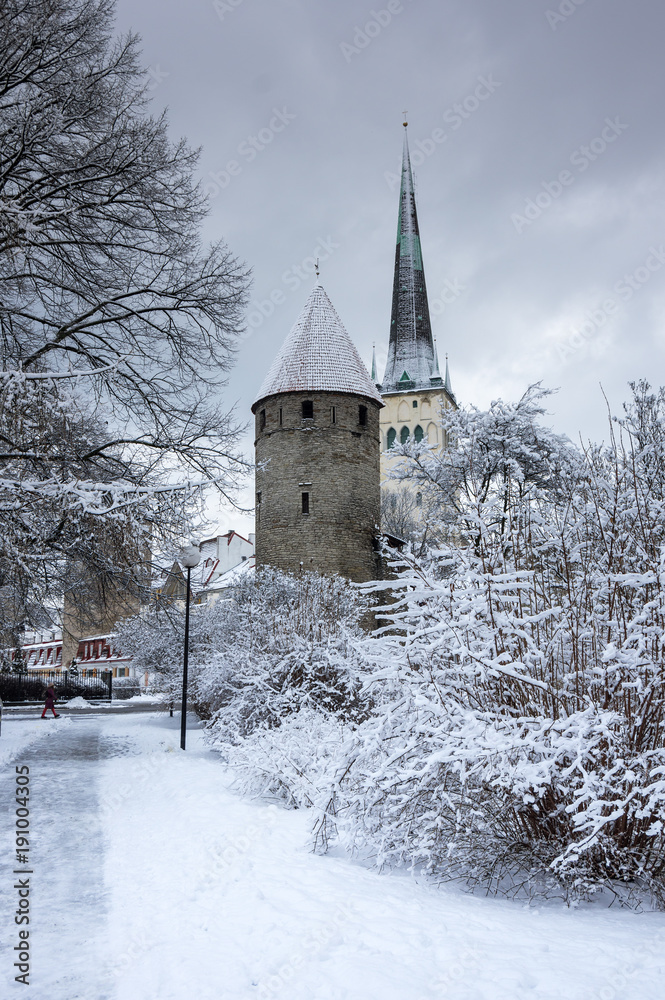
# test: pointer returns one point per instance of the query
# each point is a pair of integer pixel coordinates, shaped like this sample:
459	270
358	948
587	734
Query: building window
305	503
404	435
258	499
390	438
362	416
418	434
262	419
307	409
333	414
419	499
415	404
280	416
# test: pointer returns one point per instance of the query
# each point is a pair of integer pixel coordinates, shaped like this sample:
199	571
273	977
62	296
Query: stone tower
412	388
317	460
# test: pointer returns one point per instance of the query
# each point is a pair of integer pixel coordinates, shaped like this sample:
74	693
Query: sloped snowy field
154	881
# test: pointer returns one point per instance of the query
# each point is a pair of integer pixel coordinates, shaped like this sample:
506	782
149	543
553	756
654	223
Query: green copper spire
411	348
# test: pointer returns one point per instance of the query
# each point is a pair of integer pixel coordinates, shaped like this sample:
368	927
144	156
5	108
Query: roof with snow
318	356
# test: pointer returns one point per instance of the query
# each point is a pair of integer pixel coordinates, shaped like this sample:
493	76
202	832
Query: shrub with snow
274	645
518	733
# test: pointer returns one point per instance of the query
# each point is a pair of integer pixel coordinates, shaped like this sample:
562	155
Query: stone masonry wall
338	465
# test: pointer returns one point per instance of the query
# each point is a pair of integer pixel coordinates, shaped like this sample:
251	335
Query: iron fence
18	687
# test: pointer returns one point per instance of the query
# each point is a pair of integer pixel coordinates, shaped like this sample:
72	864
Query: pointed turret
435	377
411	357
446	382
318	355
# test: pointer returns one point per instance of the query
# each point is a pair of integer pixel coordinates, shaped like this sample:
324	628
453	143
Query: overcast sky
537	139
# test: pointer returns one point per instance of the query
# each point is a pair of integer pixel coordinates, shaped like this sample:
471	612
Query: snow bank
77	702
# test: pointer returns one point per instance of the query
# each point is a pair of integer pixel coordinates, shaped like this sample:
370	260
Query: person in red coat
50	702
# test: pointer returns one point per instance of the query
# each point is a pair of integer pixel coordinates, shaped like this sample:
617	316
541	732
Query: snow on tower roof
318	356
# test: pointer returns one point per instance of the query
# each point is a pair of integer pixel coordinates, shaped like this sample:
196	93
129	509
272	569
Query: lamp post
189	558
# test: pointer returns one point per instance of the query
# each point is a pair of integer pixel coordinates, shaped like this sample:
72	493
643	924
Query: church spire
446	382
411	357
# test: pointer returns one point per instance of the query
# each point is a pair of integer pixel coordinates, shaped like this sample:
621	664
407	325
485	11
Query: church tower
317	461
412	388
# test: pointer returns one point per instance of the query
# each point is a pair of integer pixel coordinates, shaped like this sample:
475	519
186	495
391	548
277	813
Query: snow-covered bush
275	644
282	644
518	729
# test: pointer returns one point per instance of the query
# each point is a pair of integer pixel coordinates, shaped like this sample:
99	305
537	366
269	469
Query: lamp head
190	557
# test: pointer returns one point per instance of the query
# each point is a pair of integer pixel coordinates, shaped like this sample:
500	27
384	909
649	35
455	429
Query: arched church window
404	435
390	439
418	434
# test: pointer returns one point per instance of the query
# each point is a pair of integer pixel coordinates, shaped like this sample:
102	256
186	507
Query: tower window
419	499
262	419
418	433
307	409
280	417
305	503
333	414
390	438
258	499
362	416
404	435
415	404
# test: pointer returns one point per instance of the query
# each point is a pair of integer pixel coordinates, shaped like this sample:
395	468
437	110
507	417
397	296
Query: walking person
50	702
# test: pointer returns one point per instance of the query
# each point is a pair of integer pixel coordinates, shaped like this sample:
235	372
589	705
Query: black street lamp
189	558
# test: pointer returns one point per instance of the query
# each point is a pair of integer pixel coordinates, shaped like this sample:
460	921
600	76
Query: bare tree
117	325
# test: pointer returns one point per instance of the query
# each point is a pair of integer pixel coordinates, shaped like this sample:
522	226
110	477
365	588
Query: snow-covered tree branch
117	324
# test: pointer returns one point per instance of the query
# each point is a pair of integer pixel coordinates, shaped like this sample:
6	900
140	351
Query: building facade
317	460
412	388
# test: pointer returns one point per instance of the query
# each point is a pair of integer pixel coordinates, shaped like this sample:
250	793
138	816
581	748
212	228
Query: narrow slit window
262	419
362	416
333	414
281	420
305	503
307	409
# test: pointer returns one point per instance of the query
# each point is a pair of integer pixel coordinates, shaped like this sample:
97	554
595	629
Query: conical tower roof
318	356
411	359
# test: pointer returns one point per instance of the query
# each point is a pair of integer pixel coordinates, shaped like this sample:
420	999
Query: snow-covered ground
152	880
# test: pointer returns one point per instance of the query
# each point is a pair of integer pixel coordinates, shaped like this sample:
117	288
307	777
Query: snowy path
68	896
161	884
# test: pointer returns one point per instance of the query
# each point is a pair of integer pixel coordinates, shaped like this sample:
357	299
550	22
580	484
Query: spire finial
405	122
316	267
